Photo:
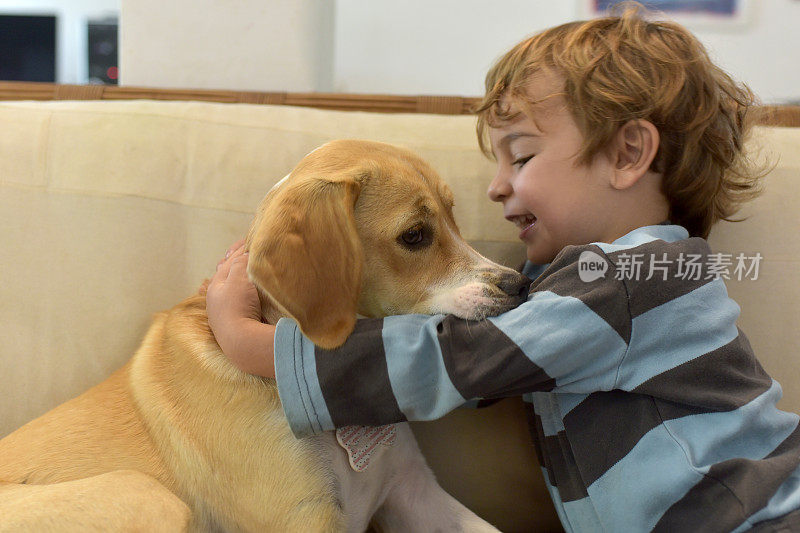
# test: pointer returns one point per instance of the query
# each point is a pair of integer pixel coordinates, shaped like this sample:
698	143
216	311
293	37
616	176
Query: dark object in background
102	44
28	48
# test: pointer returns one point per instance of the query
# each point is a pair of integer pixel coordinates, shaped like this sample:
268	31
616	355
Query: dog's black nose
515	285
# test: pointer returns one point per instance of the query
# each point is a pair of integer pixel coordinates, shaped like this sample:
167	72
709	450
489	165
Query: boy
650	410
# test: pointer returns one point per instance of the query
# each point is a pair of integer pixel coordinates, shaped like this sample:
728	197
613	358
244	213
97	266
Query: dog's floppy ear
306	254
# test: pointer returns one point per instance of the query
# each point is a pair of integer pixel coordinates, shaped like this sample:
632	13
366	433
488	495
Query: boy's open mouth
523	222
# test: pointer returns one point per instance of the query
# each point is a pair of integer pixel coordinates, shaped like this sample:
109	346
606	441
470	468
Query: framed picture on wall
692	13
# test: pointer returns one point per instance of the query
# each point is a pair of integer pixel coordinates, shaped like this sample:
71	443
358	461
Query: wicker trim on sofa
444	105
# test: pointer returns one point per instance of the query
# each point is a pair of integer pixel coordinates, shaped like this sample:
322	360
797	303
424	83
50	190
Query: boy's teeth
524	221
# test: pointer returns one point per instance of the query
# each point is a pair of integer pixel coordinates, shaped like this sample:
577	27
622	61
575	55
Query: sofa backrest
111	211
770	226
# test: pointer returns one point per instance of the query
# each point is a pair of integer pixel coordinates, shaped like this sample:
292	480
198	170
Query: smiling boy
556	202
614	138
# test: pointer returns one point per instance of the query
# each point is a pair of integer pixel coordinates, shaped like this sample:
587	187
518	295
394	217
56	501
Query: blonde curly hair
626	67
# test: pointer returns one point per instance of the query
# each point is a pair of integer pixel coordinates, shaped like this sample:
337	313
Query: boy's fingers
238	261
234	247
224	266
203	290
238	268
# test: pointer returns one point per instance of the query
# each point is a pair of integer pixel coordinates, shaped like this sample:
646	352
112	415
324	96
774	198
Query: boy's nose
499	188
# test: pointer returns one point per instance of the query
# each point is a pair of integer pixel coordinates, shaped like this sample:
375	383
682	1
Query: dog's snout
515	285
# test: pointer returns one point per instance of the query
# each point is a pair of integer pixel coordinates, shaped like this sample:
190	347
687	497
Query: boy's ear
634	147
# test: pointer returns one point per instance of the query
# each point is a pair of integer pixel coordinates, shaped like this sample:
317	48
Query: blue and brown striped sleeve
569	335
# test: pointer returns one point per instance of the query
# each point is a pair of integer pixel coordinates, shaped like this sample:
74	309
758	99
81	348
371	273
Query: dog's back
180	413
97	432
222	433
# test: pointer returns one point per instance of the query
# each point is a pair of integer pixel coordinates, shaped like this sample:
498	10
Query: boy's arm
572	335
569	335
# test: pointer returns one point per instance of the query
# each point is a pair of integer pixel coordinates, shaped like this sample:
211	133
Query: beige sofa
113	210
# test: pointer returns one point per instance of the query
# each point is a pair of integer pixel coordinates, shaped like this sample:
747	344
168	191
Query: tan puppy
357	227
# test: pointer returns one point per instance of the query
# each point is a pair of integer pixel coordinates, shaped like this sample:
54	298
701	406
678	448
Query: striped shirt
648	409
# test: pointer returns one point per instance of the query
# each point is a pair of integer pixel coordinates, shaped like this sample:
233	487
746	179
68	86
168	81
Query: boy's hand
231	297
234	314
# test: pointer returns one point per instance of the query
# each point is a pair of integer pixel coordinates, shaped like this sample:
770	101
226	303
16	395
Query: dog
180	439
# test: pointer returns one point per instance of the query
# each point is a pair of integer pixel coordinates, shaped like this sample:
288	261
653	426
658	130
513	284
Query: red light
112	73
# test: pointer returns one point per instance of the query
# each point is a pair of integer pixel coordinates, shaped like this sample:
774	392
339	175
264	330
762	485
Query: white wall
446	46
71	32
269	45
765	53
397	47
431	47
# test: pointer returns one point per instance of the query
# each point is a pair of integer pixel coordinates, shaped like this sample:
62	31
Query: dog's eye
415	237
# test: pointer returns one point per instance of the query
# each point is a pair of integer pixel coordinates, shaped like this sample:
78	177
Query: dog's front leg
416	502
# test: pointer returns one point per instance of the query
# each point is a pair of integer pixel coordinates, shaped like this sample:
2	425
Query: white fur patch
281	182
466	301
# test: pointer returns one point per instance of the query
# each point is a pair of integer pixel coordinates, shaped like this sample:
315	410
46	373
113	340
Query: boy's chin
539	255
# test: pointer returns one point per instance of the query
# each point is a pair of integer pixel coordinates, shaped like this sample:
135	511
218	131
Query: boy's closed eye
520	161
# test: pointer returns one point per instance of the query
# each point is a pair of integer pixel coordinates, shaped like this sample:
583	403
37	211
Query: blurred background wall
363	46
